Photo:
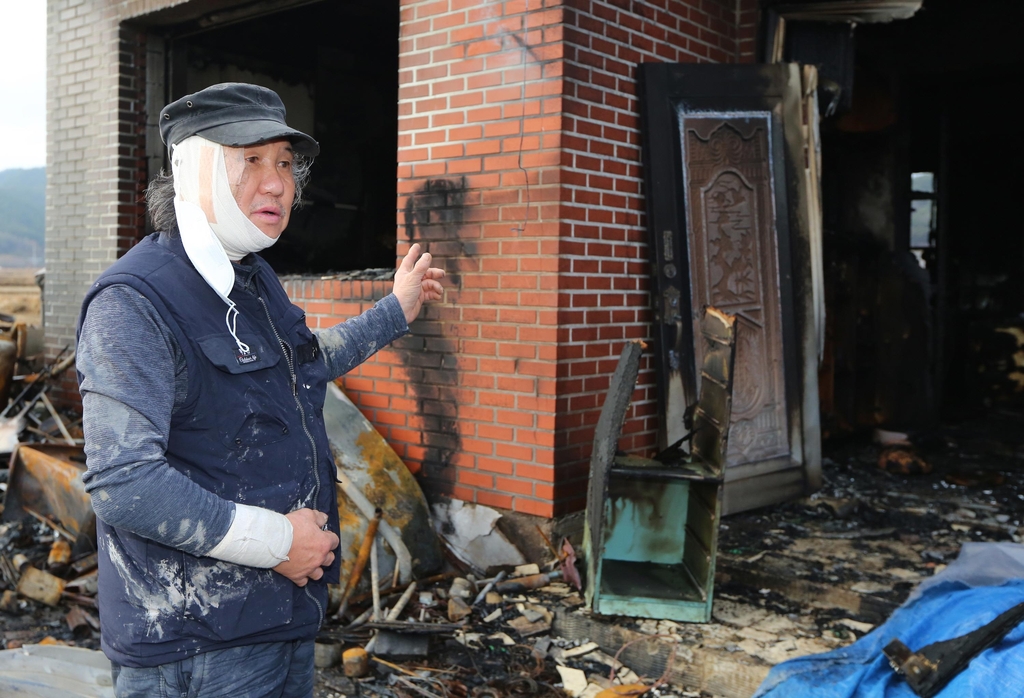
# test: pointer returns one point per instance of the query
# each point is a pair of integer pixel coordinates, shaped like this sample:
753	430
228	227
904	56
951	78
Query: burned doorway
729	227
923	239
335	65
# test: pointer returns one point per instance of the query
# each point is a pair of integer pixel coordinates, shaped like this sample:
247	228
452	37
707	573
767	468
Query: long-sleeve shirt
135	377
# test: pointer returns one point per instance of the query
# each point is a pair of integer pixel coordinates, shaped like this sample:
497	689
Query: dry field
19	295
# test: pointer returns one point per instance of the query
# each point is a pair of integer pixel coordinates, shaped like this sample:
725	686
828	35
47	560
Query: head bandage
213	229
201	178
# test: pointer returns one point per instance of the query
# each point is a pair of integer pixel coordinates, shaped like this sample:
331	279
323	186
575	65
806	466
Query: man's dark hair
160	194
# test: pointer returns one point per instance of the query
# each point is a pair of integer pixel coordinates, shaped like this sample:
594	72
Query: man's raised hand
417	282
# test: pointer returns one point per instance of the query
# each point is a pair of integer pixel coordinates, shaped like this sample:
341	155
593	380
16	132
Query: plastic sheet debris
979	565
53	671
929	669
469	530
946	608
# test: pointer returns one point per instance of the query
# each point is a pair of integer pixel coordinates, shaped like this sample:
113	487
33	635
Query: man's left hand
312	547
417	282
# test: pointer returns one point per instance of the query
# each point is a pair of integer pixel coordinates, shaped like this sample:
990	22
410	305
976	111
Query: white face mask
213	230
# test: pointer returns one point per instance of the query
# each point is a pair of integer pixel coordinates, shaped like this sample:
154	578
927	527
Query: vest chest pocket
251	391
223	352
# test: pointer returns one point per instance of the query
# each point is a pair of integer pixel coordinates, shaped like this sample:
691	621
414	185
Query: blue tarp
946	608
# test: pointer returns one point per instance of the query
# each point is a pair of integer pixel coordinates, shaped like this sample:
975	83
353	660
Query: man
202	388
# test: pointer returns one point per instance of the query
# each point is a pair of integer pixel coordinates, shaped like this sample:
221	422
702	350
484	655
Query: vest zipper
286	349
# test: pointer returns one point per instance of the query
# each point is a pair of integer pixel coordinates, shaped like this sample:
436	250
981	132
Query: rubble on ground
47	581
797	579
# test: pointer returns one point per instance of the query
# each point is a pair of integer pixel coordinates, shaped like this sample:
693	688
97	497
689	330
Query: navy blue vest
251	431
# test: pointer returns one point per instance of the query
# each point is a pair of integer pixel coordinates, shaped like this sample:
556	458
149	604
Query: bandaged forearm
257	538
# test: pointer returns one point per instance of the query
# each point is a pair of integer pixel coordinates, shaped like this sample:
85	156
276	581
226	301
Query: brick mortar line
643	51
618	10
434	33
469	42
596	122
482	56
612	175
604	90
483	171
618	23
619	243
631	324
660	42
416	146
603	158
592	120
489	20
481	90
447	131
488	71
484	105
625	244
633	32
606	308
603	207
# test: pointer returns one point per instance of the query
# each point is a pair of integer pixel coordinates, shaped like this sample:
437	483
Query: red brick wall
747	17
498	391
478	115
378	386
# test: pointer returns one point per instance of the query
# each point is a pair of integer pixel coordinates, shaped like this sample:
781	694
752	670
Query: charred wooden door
724	154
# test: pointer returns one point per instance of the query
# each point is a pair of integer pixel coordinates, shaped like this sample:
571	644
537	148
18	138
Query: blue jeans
270	670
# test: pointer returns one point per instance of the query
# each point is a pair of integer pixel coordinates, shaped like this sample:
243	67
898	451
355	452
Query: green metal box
652	524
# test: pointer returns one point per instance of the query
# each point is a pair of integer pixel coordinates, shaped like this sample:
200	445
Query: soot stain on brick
434	215
435	212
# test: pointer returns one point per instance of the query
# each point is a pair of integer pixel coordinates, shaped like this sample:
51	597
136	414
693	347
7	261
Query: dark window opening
335	65
924	216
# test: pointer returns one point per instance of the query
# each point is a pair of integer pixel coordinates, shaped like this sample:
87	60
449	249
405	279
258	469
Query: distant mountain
22	216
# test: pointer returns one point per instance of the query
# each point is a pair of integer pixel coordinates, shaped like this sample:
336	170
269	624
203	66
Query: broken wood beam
361	558
413	627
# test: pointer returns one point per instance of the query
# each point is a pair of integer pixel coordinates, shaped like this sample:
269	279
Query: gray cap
234	114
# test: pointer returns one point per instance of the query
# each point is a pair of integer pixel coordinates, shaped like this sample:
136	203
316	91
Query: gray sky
23	84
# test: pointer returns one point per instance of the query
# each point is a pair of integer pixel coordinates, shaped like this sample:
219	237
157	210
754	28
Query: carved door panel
734	266
723	148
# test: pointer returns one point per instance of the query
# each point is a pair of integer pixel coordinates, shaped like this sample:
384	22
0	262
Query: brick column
81	158
479	118
546	282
